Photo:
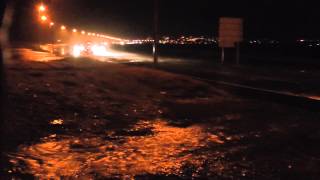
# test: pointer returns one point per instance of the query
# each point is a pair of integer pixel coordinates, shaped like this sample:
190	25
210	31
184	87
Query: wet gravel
78	118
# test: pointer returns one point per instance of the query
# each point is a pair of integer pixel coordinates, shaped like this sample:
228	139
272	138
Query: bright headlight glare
77	49
98	50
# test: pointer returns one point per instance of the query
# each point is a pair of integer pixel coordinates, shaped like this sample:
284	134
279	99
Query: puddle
163	150
30	55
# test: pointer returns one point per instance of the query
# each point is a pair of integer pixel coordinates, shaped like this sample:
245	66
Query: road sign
230	32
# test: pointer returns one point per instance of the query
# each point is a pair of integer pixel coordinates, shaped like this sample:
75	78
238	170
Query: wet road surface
149	147
76	118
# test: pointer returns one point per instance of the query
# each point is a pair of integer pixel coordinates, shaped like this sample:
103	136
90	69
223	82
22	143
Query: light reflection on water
30	55
164	150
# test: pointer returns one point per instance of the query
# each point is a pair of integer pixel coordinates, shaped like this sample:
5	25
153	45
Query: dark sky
133	18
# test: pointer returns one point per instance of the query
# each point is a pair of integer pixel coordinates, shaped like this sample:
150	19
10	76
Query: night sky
279	19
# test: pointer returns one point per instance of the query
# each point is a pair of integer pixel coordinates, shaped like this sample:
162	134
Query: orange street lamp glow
74	30
63	28
83	32
52	24
44	18
42	8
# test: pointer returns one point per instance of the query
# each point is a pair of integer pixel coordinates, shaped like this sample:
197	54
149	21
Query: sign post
230	35
222	55
238	53
156	32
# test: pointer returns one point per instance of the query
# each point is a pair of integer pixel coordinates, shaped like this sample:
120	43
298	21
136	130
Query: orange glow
52	24
42	8
63	28
44	18
77	50
31	55
56	122
163	149
74	30
63	51
83	32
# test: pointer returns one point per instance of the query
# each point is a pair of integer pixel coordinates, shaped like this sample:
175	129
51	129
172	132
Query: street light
44	18
41	8
63	28
74	30
83	32
51	24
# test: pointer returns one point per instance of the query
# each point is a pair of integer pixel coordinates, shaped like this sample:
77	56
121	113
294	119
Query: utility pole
156	32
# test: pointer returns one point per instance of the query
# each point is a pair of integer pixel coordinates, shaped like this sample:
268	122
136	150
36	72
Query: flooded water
31	55
149	147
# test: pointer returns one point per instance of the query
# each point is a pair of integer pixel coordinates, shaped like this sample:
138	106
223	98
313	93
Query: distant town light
63	28
74	30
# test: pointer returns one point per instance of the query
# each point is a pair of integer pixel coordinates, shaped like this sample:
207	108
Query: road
261	84
82	118
298	84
